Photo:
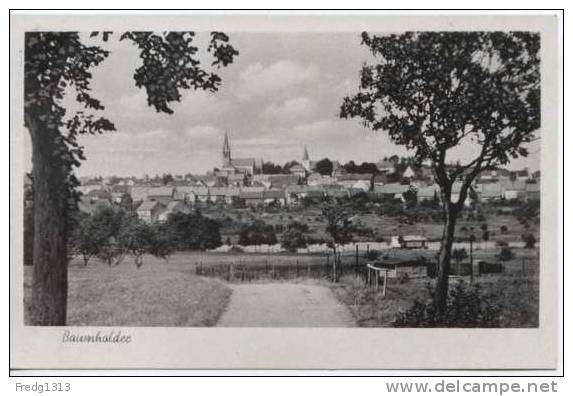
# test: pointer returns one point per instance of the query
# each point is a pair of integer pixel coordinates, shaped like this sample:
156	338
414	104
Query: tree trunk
444	257
50	282
334	263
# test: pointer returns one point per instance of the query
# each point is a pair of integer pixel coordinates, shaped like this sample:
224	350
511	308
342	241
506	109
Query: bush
372	255
257	233
506	254
466	307
293	238
193	231
529	240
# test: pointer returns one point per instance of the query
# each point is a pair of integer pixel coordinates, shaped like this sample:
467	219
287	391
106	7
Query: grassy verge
158	294
517	297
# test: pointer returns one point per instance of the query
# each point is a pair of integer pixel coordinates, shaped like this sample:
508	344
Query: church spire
305	156
226	151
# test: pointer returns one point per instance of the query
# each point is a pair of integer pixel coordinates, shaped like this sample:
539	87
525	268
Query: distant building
385	167
356	180
298	170
306	160
532	191
409	172
391	190
247	166
161	194
171	208
148	211
274	197
428	193
252	196
227	195
316	179
409	242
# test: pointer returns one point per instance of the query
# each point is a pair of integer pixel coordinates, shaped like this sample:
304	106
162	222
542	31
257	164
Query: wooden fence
321	268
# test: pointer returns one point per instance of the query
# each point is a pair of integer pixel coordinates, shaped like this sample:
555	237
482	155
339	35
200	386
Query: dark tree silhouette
58	64
433	91
324	166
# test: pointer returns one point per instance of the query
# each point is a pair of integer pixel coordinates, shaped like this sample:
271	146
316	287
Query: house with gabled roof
274	196
251	197
532	191
226	195
148	211
385	167
391	190
162	194
171	208
298	170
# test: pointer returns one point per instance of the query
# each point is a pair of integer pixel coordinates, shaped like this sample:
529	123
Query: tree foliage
293	237
58	64
324	166
257	233
459	255
434	91
193	231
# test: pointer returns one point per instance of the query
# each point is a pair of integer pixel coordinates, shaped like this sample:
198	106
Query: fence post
356	263
385	283
296	266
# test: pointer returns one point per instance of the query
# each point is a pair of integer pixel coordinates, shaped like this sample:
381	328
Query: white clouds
204	131
315	129
257	80
290	110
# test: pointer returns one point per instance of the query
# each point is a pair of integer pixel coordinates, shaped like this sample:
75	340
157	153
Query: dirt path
284	305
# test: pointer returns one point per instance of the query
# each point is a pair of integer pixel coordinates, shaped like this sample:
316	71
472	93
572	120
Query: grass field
168	293
158	294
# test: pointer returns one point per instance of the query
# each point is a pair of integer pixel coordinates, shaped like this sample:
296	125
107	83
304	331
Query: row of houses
292	194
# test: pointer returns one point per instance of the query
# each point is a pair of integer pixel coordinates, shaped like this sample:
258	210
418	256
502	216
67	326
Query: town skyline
283	92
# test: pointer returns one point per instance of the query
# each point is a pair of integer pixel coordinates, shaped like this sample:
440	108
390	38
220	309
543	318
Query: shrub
372	254
257	233
466	306
293	238
503	229
193	231
506	254
529	240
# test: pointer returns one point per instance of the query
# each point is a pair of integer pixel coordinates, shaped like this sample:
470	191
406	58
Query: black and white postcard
284	191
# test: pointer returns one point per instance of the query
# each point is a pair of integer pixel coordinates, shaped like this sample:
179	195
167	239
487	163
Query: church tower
306	160
226	152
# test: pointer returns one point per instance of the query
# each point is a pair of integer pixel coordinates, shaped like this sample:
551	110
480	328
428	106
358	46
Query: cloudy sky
283	92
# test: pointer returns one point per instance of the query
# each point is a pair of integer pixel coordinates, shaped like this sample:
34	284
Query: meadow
160	293
174	292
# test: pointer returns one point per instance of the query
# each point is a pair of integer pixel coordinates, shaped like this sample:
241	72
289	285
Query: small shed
409	242
415	268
